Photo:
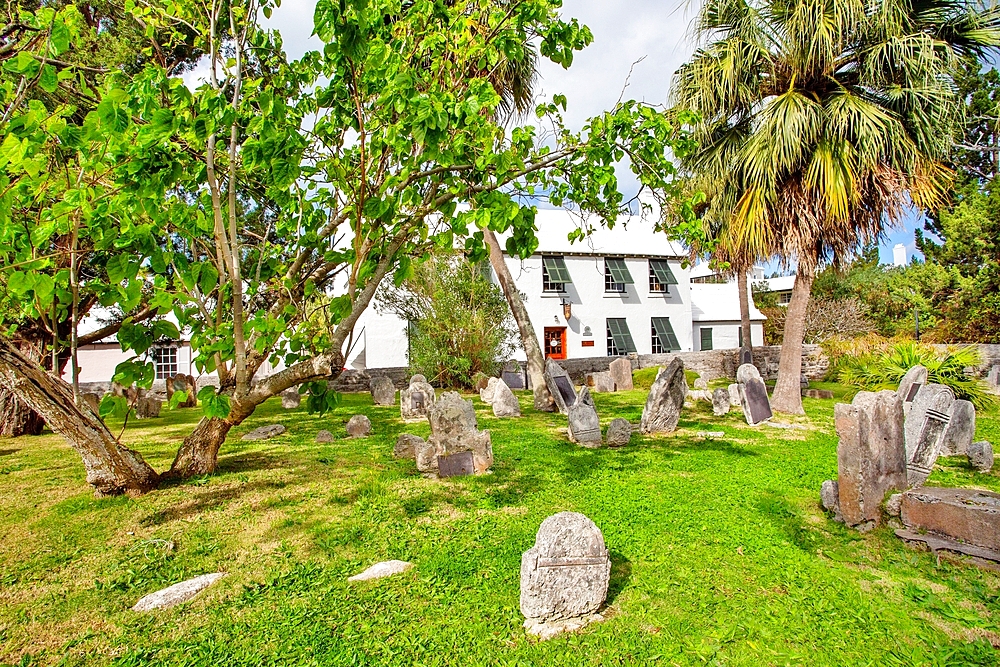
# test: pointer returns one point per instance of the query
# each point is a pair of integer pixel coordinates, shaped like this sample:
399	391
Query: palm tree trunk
532	350
787	395
741	281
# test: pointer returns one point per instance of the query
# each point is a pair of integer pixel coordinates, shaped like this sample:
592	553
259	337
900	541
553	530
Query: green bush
885	369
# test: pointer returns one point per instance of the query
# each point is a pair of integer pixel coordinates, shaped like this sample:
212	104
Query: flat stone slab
711	434
381	570
817	393
939	543
548	629
967	515
264	432
178	593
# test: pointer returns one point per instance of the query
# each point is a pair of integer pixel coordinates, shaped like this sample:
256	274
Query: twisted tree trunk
112	469
16	417
787	395
532	350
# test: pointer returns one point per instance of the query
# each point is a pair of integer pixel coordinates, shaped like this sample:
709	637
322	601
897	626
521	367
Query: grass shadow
246	462
621	575
786	517
204	500
8	452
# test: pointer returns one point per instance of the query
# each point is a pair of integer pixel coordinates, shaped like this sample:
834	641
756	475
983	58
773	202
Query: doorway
555	342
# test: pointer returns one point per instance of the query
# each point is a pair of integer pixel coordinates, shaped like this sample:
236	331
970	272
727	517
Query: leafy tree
460	322
823	120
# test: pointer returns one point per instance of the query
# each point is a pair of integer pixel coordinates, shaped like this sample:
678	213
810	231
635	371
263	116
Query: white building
715	311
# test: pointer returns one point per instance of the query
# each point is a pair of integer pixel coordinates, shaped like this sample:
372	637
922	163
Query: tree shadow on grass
205	500
785	516
621	575
246	462
8	452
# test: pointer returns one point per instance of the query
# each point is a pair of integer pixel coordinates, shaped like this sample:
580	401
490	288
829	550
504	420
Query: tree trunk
741	281
111	468
16	417
787	395
199	453
532	350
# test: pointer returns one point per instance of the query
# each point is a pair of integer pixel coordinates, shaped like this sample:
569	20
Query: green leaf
49	80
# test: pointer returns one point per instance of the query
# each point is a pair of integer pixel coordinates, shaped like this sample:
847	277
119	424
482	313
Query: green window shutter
706	338
662	271
618	270
665	332
621	335
556	269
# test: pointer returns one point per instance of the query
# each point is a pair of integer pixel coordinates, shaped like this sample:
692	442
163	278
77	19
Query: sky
639	42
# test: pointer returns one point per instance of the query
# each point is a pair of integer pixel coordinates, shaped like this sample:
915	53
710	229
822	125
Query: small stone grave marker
621	374
291	399
456	465
383	390
560	386
665	400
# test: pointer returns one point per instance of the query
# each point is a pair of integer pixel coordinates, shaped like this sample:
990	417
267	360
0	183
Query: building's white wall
726	335
98	362
380	341
591	306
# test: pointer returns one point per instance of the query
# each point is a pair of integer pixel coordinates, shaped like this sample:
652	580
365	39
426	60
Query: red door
555	342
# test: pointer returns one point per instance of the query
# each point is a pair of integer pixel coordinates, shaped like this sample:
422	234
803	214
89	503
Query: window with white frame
555	275
165	360
660	276
616	275
619	337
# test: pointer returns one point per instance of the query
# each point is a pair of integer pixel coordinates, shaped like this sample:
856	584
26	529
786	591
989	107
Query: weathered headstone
871	456
914	378
925	425
665	400
264	432
359	426
185	383
565	575
382	570
454	431
829	496
700	383
621	373
584	424
383	390
560	386
619	432
720	402
601	382
486	393
92	401
993	378
734	396
505	403
147	407
406	446
746	356
416	400
178	593
512	375
968	515
961	429
324	436
291	399
753	395
981	456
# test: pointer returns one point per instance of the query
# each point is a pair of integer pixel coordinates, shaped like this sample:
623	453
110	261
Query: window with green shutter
660	275
664	339
619	338
555	275
706	338
616	275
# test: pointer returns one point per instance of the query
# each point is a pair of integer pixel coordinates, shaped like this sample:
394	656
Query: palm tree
821	122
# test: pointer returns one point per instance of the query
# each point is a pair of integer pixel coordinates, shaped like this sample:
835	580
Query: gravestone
406	446
665	400
92	401
480	381
456	465
912	381
981	456
871	456
486	393
968	515
564	576
734	396
264	432
454	431
621	373
746	356
505	403
185	383
817	393
383	390
324	436
359	426
720	402
512	375
753	395
584	424
291	399
829	496
961	429
601	382
147	407
700	383
416	400
925	425
560	386
993	378
619	432
178	593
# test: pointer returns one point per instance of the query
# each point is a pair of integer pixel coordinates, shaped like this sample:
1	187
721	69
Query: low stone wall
360	381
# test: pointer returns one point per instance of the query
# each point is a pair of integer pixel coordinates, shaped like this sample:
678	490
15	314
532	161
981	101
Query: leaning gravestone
407	445
504	401
416	399
665	400
359	426
383	390
564	576
560	386
871	456
584	424
720	402
619	432
185	383
912	381
621	373
925	425
291	399
457	446
753	395
961	429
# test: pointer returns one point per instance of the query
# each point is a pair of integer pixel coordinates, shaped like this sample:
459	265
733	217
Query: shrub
879	370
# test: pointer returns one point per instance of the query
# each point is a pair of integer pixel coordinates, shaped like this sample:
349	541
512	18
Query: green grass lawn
721	554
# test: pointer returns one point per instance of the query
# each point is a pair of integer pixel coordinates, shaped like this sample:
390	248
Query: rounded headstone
981	456
619	432
406	446
829	495
747	372
291	399
324	436
720	402
418	379
359	426
383	390
700	383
